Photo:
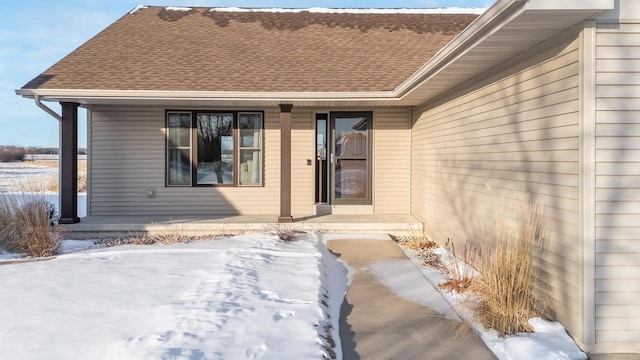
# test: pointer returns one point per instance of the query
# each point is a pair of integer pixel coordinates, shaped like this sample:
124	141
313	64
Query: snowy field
246	297
14	173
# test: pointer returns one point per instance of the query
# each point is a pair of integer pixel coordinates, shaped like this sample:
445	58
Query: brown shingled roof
203	50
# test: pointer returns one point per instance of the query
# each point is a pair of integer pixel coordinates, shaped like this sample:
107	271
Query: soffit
524	31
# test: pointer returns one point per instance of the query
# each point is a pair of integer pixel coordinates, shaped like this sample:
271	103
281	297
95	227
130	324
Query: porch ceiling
505	30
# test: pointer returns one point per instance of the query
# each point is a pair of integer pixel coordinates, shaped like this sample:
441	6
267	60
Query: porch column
69	164
285	163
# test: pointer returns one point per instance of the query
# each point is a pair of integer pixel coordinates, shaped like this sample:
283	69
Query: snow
246	297
137	8
177	8
550	341
449	10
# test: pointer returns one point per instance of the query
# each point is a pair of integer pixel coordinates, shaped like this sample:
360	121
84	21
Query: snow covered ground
246	297
14	173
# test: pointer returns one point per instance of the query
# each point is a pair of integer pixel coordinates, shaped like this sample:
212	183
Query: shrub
26	226
507	285
11	153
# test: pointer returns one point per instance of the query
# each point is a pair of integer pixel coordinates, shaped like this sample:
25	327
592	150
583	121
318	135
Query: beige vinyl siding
391	154
128	157
302	149
618	186
514	132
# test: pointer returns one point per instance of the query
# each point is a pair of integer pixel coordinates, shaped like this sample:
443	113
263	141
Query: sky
35	34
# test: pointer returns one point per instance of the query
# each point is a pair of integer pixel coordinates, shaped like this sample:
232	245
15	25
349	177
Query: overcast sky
35	34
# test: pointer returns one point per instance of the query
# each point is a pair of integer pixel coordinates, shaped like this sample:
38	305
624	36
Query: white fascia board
570	5
204	95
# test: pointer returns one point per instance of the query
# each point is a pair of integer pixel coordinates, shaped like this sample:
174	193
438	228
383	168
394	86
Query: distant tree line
17	153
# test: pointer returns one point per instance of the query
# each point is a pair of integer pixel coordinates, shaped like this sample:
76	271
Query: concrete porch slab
117	226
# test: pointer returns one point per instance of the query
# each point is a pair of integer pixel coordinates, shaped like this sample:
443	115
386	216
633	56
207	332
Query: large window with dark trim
214	148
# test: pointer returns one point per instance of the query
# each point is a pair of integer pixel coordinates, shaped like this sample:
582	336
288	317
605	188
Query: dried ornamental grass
283	232
507	287
26	225
461	272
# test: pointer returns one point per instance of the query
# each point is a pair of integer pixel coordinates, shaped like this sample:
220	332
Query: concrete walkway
378	324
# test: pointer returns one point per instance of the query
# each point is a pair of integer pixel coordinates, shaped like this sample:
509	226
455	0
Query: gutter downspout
44	107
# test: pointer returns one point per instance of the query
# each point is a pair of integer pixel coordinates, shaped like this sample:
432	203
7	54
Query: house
238	111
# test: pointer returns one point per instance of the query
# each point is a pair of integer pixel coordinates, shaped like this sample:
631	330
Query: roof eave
476	37
472	33
434	78
89	96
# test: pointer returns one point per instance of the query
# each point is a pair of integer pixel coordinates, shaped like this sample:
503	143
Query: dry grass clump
284	232
82	182
416	240
52	183
159	237
421	245
461	272
507	287
26	225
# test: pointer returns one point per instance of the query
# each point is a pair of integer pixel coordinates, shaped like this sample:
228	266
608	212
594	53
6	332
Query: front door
350	158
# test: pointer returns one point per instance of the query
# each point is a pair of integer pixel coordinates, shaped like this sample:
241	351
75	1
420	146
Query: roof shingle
202	50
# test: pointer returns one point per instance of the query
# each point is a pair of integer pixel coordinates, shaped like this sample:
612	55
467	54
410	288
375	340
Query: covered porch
119	226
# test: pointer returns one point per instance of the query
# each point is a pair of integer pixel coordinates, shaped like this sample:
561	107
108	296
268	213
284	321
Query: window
250	125
214	148
179	148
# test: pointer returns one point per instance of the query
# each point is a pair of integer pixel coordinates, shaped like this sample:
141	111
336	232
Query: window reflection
215	148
